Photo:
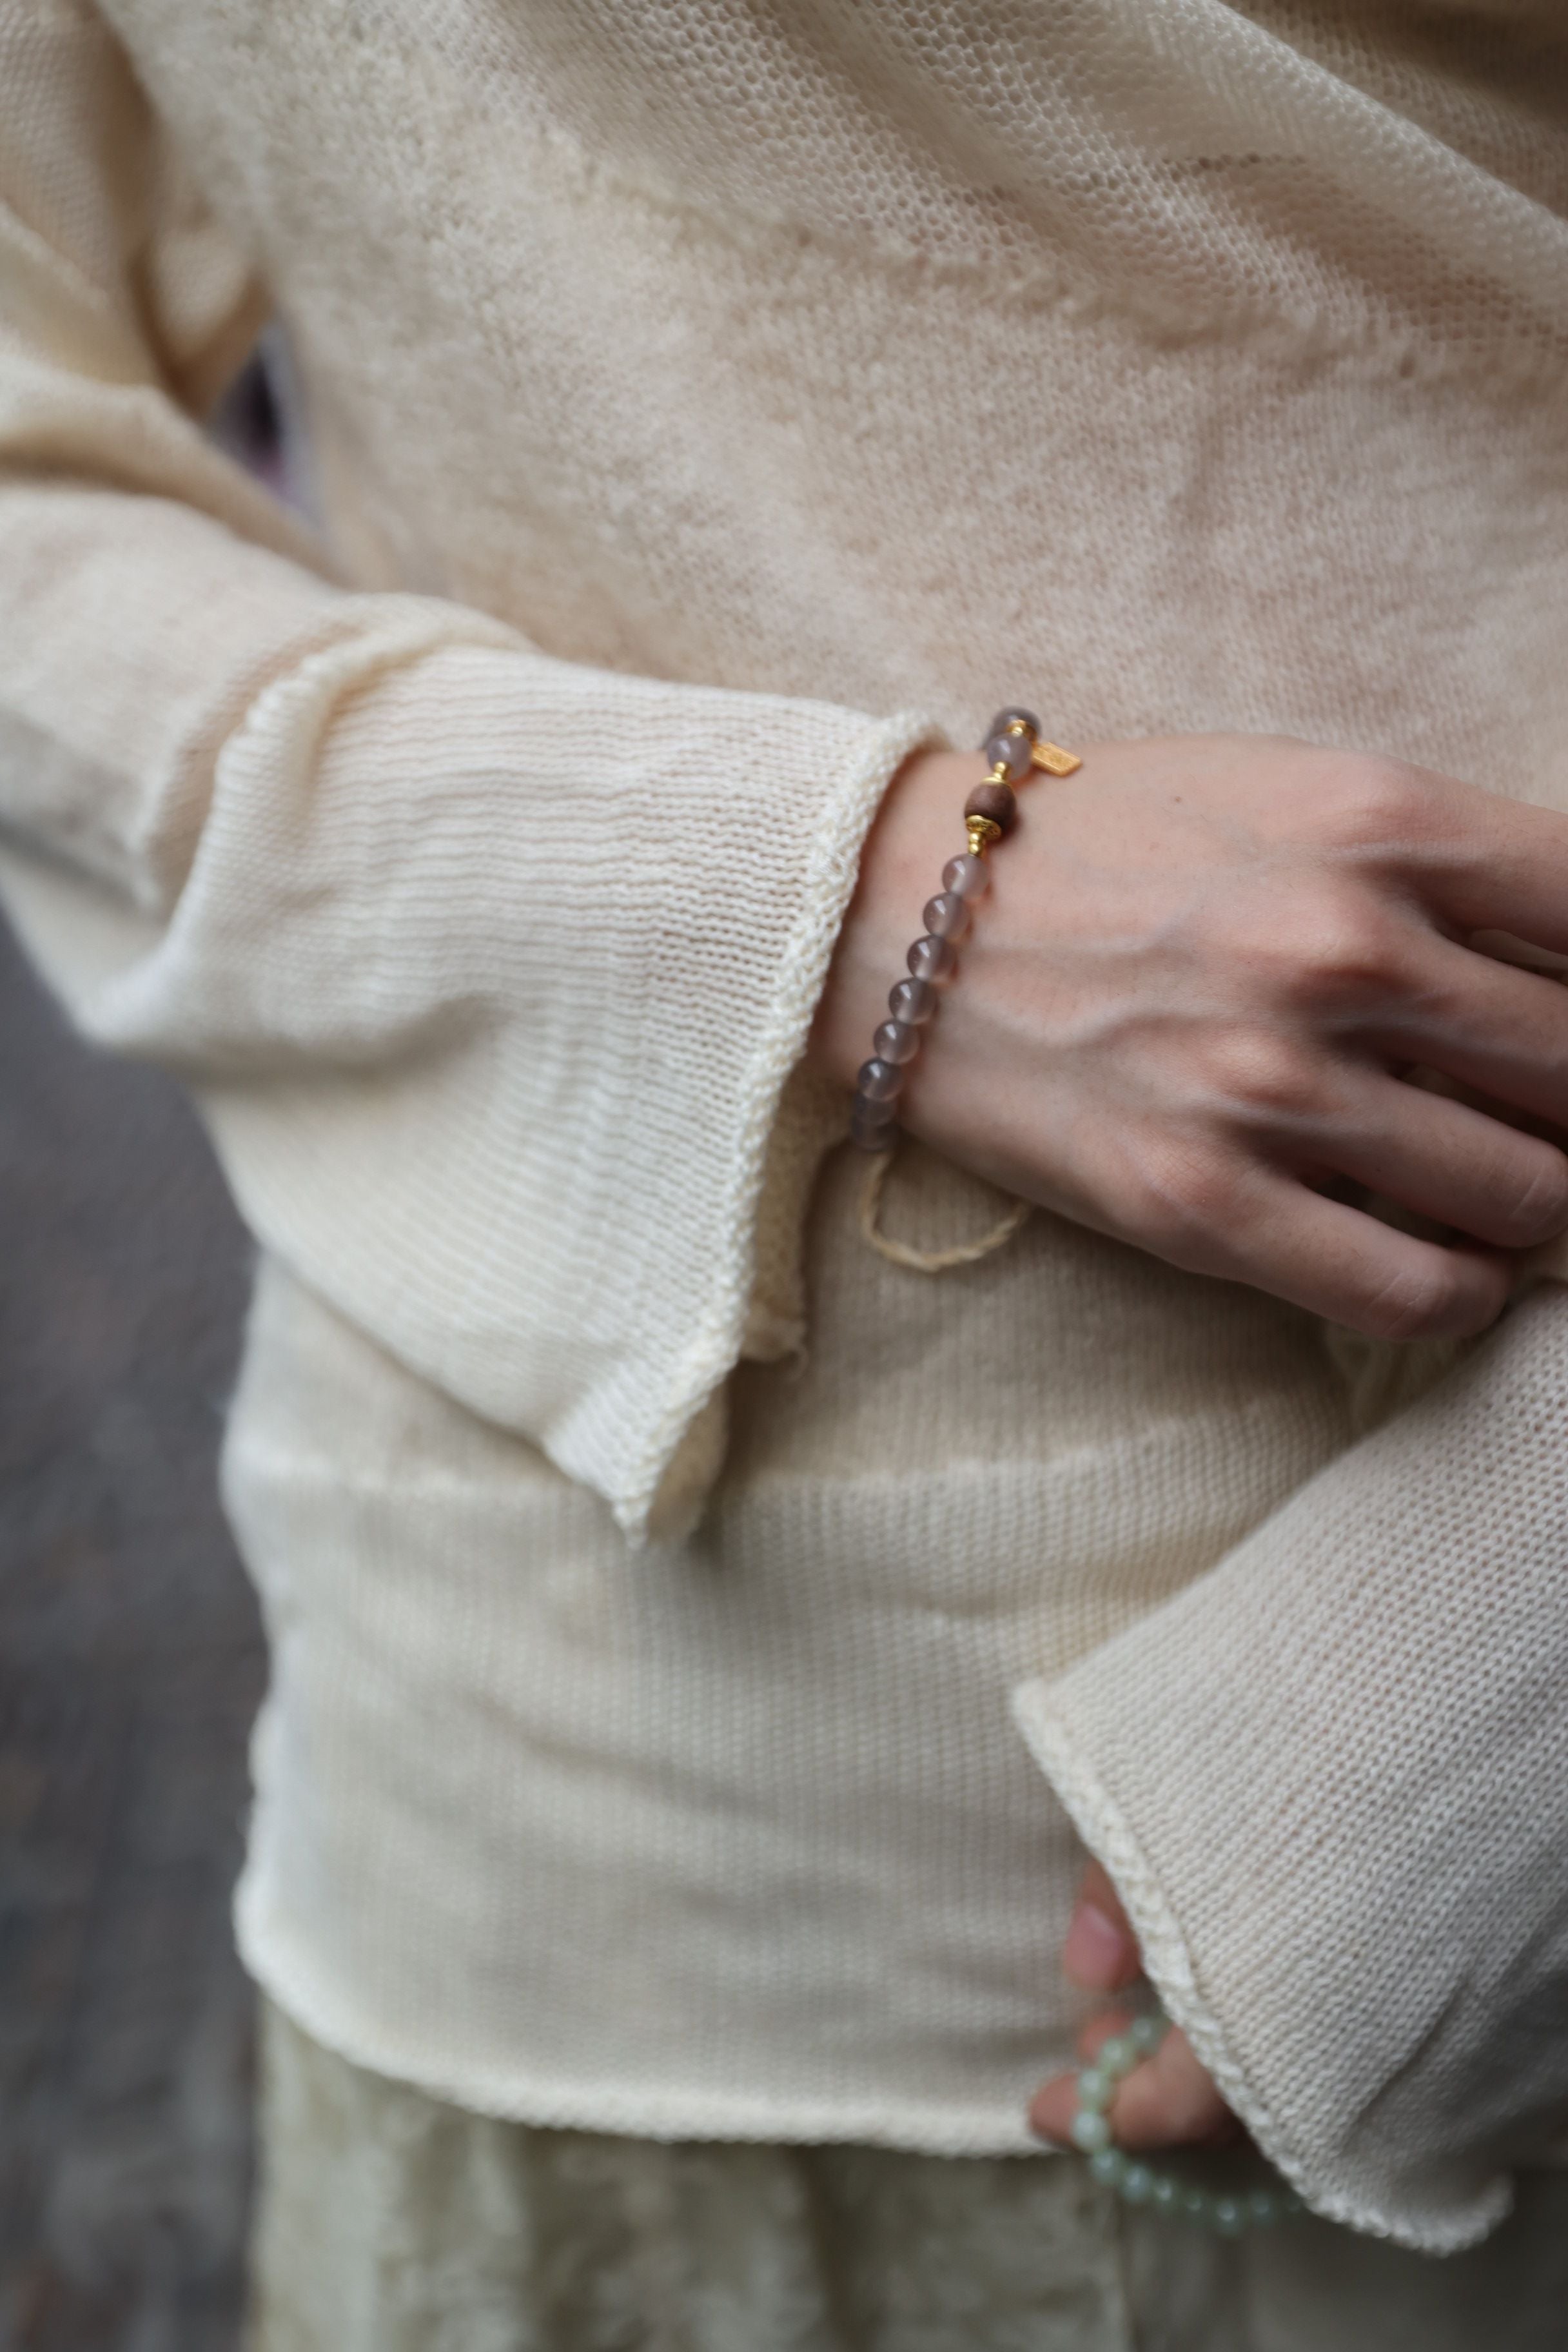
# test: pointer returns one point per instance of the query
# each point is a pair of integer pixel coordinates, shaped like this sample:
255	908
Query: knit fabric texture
708	403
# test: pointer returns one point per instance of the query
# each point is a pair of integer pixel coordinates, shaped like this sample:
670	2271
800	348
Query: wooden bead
997	802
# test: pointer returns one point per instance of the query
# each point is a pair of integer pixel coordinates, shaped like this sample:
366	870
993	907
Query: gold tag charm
1055	761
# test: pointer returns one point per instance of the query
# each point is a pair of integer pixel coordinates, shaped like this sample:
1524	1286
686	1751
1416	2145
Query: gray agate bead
1012	753
912	1000
870	1133
878	1109
879	1081
895	1041
968	875
934	959
1014	717
946	916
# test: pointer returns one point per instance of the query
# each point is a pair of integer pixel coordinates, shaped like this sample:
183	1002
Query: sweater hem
519	2094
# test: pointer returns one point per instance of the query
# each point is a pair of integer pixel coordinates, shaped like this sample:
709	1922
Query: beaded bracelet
1145	2184
1015	748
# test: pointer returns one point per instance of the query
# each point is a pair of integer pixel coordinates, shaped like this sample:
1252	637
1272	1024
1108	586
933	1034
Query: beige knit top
711	399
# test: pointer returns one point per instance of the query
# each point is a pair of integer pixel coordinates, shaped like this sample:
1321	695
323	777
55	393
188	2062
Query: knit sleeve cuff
1330	1781
489	973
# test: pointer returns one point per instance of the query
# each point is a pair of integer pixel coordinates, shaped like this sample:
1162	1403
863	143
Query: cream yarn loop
916	1261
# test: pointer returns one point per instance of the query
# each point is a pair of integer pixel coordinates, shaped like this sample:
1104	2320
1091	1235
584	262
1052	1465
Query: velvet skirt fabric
392	2222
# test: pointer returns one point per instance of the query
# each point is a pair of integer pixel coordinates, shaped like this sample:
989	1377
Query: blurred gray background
129	1668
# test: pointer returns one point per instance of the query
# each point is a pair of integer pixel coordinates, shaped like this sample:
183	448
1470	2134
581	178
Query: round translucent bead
1166	2194
932	959
1262	2208
1197	2204
1095	2089
1010	753
875	1113
1090	2132
1229	2216
969	876
1137	2184
1014	717
1146	2035
1119	2055
947	917
873	1134
997	802
1108	2165
912	1002
879	1081
895	1041
881	1108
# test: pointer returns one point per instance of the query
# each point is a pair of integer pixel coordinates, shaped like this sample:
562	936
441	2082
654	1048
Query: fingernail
1095	1950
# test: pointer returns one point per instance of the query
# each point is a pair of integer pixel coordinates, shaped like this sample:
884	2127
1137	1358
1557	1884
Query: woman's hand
1189	998
1168	2100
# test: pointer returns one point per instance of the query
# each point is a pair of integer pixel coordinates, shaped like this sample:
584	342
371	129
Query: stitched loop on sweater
898	1253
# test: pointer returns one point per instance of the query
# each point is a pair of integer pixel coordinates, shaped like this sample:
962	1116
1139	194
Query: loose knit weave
710	403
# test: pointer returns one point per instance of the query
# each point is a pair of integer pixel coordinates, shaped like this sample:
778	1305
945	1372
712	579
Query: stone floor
129	1667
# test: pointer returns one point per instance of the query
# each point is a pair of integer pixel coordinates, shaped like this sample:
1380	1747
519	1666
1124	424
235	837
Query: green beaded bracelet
1146	2184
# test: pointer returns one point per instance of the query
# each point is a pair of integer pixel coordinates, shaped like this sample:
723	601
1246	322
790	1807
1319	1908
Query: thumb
1100	1951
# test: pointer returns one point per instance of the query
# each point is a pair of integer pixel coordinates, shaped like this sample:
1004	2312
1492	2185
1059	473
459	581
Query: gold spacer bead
982	831
1055	761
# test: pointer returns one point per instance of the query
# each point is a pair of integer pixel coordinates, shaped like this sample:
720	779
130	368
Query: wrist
910	837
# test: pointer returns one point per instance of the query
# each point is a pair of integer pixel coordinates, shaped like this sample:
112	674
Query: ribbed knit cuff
1330	1781
488	975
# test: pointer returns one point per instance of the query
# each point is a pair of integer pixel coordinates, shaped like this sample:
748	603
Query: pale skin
1187	1012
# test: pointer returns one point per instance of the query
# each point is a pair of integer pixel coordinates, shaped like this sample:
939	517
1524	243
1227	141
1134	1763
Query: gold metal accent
982	831
1055	761
999	774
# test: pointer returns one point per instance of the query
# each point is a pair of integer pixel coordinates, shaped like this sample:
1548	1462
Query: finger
1452	1162
1056	2102
1489	1025
1491	863
1053	2107
1270	1230
1097	2031
1167	2101
1171	2101
1099	1951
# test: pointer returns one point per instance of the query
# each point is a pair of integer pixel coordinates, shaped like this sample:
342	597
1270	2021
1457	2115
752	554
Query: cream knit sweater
695	388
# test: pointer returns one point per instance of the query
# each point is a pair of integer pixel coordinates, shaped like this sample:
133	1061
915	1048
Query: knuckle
1178	1198
1539	1206
1346	950
1371	803
1262	1073
1331	947
1417	1302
